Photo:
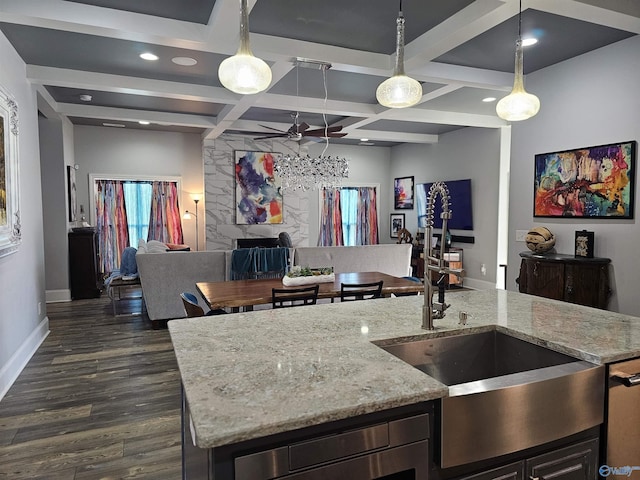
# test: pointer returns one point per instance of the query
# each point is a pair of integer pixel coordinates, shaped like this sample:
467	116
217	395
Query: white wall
590	100
107	150
22	326
466	153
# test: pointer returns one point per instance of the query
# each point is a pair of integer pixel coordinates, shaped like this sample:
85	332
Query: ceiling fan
298	131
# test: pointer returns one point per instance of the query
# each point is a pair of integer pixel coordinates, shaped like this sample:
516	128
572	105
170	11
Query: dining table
245	294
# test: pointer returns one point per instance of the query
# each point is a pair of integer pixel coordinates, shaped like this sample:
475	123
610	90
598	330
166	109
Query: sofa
166	274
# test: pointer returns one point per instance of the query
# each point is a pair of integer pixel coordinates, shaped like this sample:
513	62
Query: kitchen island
252	375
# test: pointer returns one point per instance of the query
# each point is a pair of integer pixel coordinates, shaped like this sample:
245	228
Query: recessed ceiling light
85	97
143	122
117	125
364	139
489	99
527	42
148	56
184	61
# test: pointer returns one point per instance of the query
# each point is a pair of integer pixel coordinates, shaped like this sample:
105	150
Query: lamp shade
399	91
245	74
518	105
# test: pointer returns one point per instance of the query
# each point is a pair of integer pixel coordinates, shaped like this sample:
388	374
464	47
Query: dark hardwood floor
99	400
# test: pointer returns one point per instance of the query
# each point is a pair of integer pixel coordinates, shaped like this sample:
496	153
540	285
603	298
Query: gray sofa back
165	275
392	259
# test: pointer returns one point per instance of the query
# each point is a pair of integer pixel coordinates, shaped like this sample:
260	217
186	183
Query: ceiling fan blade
303	127
271	128
320	132
274	135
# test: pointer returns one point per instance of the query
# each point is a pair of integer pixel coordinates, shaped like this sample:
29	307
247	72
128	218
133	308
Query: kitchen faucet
432	309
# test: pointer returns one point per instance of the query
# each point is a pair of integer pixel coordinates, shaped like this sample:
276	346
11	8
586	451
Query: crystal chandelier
298	172
307	173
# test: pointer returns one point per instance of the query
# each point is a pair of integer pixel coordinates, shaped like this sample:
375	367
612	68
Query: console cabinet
584	281
84	276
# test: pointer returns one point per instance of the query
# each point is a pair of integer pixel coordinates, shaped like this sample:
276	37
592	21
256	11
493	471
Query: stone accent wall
219	179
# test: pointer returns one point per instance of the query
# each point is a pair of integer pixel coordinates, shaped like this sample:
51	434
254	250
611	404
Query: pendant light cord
324	110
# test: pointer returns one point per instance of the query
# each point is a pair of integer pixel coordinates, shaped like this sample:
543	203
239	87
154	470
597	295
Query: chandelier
298	172
303	172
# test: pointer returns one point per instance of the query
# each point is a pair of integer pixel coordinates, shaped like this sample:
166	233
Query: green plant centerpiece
299	275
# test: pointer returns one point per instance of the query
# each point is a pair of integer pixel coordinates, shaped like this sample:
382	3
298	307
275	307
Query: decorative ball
540	240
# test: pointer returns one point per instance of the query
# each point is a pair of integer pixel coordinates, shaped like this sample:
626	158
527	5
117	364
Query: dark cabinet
575	462
584	281
578	462
84	276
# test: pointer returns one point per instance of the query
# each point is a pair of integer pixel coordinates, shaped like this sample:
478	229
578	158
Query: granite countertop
249	375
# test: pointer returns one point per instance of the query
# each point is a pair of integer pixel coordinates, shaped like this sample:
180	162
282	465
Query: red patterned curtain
330	218
164	221
111	225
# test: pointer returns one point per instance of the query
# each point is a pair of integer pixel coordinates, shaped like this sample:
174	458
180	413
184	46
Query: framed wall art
593	182
397	223
403	193
258	191
10	234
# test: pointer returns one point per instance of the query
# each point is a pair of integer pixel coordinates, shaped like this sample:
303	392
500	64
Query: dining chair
294	297
192	309
360	291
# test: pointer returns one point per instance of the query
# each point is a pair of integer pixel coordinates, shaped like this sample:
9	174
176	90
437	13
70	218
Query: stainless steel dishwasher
623	425
396	449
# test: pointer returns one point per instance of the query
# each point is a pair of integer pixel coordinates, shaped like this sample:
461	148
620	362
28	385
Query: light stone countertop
249	375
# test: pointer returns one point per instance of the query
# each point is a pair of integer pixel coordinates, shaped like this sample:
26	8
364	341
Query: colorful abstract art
258	191
594	182
403	193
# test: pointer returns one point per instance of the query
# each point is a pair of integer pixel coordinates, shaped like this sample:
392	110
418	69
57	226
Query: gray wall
466	153
590	100
22	325
54	181
136	152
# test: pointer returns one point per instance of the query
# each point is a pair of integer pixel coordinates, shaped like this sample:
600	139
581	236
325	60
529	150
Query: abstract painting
403	193
593	182
258	191
10	230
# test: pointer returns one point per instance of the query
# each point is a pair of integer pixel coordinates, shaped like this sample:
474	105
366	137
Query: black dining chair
294	297
360	291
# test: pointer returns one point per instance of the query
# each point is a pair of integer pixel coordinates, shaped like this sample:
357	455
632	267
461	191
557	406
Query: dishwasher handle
626	379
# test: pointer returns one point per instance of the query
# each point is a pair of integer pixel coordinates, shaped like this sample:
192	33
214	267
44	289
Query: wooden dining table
245	294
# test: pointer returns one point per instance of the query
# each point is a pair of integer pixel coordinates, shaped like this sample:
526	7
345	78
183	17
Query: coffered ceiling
462	51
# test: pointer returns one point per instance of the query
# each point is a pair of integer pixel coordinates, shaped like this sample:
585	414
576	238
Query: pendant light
518	105
243	73
399	91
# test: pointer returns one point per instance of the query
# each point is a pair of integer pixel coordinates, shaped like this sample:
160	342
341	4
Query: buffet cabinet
580	280
84	276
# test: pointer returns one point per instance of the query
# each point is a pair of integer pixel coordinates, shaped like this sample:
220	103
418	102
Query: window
349	216
127	210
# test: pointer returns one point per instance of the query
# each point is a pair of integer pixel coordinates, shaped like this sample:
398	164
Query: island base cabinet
578	462
574	462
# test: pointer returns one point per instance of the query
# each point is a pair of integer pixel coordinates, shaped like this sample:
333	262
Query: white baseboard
479	284
55	296
19	360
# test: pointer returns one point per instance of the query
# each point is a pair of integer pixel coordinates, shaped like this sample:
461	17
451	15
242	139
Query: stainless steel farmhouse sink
505	394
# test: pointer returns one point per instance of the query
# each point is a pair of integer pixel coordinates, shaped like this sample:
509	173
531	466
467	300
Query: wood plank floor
99	400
